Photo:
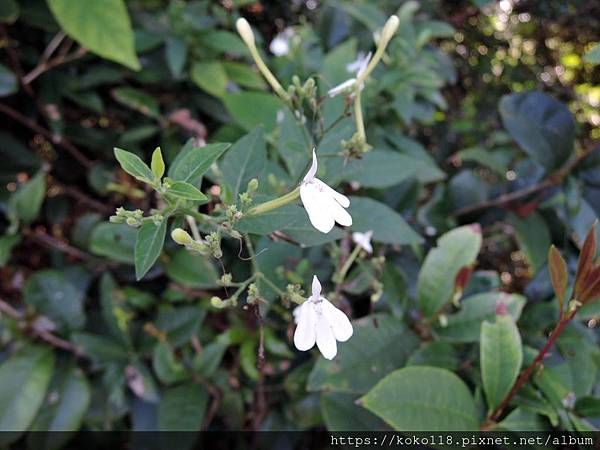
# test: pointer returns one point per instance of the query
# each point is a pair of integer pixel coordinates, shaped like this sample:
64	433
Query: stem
344	270
358	116
526	374
268	74
552	180
275	203
270	283
194	227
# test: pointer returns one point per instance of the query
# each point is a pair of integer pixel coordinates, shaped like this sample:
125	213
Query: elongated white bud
243	28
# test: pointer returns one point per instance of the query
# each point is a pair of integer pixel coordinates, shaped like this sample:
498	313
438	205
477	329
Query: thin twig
44	335
55	139
53	243
526	374
552	180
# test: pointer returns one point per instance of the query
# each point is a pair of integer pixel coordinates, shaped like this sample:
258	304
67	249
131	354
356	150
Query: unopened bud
252	185
181	236
217	302
389	29
243	28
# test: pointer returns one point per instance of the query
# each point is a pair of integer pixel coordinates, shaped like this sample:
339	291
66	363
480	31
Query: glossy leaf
148	245
533	238
27	201
186	191
133	165
25	378
541	125
586	260
455	249
423	399
102	27
501	357
193	162
558	274
8	81
182	408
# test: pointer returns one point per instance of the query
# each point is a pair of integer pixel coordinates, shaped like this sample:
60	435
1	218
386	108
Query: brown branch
53	243
84	198
44	335
526	374
55	139
552	180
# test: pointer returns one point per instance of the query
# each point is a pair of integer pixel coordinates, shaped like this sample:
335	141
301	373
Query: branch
552	180
55	139
526	374
44	335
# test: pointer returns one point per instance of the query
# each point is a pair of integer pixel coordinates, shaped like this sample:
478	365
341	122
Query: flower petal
316	288
341	87
325	338
317	206
313	168
305	334
338	321
340	215
340	198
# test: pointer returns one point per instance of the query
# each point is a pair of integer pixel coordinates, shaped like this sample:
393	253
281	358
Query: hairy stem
275	203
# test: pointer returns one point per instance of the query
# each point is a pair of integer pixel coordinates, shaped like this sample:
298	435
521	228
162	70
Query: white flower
323	204
321	322
280	45
359	66
363	240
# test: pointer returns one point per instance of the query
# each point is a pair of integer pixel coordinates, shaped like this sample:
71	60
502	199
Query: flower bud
243	28
252	186
389	29
217	302
181	236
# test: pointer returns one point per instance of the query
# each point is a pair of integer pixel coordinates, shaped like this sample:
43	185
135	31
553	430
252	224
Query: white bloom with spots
322	323
363	240
324	205
359	66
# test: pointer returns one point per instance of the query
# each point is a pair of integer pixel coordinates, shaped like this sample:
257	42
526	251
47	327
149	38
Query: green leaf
63	411
465	325
247	159
423	399
186	191
380	344
341	413
8	81
7	243
157	165
51	293
244	75
207	362
384	168
192	270
501	356
114	240
182	408
387	225
210	76
134	166
533	238
455	249
181	323
176	51
102	350
193	162
521	420
9	11
542	126
137	100
148	245
102	27
27	201
165	365
252	109
588	406
436	354
25	378
559	275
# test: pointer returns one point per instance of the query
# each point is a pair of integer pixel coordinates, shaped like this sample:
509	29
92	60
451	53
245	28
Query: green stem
275	203
358	116
268	74
344	270
270	283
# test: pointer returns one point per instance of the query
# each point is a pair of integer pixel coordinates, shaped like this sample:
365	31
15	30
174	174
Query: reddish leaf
558	274
591	286
586	259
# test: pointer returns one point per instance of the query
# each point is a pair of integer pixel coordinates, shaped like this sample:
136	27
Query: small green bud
216	302
132	222
252	186
181	236
226	280
157	164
